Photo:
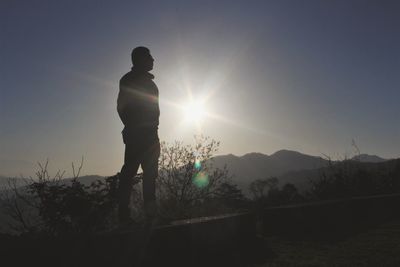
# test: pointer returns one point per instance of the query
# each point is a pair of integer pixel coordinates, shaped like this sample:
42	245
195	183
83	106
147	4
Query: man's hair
138	53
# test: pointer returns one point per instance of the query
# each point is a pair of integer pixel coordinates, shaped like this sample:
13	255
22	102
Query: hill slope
286	165
252	166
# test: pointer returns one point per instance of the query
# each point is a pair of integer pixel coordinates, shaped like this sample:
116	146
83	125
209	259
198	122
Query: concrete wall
190	242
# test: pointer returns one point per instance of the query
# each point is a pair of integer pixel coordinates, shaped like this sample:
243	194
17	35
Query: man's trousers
141	151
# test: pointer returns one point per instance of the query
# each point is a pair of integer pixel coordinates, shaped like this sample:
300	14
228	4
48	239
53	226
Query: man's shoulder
133	79
129	81
126	78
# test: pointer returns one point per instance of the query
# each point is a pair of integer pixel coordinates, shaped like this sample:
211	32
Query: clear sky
300	75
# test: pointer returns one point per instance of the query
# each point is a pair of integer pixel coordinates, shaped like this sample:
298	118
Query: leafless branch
76	175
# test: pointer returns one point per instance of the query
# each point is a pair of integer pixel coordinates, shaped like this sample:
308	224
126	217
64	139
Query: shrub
188	181
187	186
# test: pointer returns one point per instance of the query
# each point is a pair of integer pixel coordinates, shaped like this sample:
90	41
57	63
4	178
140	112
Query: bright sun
194	111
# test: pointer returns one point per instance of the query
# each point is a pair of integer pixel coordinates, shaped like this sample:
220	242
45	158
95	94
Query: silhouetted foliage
229	193
350	178
265	192
76	207
17	204
187	180
187	186
60	206
260	188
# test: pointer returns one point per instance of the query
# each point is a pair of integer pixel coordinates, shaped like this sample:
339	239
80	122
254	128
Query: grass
376	247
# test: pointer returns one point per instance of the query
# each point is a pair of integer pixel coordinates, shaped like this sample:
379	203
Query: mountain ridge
282	164
255	165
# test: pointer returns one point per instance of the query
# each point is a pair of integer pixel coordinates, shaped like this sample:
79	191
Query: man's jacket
137	104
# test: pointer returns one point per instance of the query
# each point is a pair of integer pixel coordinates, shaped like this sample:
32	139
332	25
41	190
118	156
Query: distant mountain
301	179
86	180
368	158
5	180
252	166
288	166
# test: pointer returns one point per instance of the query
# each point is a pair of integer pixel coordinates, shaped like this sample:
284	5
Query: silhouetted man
139	111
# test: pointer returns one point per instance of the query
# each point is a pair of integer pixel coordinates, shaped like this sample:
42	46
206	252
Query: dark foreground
348	232
228	240
378	246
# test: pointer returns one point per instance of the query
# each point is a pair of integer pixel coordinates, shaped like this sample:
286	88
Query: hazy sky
300	75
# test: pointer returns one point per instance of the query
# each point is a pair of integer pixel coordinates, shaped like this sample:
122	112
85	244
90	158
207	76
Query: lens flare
197	164
200	179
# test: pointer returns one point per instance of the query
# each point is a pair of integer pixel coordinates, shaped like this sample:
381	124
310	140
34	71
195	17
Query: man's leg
150	173
128	171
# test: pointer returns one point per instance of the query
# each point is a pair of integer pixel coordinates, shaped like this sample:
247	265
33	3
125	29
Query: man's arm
129	104
122	105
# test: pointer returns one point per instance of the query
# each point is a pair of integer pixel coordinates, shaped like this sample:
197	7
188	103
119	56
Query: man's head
142	59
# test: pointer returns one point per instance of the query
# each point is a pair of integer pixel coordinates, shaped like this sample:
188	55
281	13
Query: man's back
137	102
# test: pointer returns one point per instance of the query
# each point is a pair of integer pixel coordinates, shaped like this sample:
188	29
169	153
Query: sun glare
194	111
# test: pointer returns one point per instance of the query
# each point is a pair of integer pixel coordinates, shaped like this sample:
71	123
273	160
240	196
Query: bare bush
187	178
55	206
188	185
